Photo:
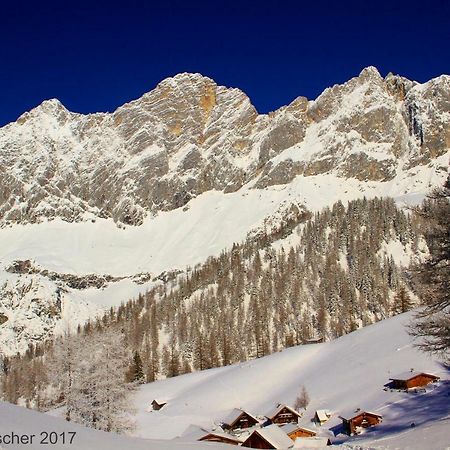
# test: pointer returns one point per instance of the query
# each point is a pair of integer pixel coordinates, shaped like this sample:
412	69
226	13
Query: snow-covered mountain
96	208
189	136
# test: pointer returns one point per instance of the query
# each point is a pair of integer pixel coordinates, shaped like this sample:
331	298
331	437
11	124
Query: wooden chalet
283	414
218	436
312	442
359	419
158	404
411	379
321	416
239	419
270	437
295	431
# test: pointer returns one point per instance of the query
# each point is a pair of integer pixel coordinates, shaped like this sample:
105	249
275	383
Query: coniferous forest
316	277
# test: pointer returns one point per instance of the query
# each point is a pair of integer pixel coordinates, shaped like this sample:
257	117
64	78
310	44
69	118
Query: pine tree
431	279
402	301
136	373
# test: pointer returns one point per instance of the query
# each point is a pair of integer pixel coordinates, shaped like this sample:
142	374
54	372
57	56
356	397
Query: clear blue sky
96	55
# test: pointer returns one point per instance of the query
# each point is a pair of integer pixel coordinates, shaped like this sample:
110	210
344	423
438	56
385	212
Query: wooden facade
361	419
270	437
239	419
255	440
284	414
300	432
413	380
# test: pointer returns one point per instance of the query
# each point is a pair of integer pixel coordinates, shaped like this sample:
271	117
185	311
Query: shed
351	421
270	437
157	404
294	431
321	416
312	442
239	419
411	379
283	414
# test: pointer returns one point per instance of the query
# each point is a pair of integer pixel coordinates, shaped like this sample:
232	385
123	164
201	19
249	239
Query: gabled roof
323	414
311	442
234	416
159	401
348	415
404	376
275	436
222	435
290	427
274	411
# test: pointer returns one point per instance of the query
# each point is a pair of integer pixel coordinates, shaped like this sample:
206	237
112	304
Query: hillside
345	374
24	422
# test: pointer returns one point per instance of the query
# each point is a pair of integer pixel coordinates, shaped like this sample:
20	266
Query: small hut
239	419
283	414
157	404
321	416
295	431
359	419
411	379
270	437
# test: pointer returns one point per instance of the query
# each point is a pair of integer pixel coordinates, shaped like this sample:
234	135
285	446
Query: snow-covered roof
323	414
234	415
290	427
275	436
159	401
274	411
222	434
311	442
350	414
410	374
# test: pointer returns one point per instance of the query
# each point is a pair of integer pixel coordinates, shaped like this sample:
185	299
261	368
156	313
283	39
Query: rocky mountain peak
190	135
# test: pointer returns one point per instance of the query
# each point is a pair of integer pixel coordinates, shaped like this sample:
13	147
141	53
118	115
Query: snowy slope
24	422
341	375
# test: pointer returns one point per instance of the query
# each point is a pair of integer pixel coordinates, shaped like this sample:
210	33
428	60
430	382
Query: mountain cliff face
100	207
189	136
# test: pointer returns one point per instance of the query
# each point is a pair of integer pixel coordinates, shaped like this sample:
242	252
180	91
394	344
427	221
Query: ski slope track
93	208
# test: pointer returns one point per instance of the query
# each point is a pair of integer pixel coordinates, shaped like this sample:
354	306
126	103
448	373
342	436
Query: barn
283	414
359	419
239	419
270	437
411	379
294	431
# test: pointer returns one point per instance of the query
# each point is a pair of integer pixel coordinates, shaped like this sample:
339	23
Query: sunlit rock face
189	135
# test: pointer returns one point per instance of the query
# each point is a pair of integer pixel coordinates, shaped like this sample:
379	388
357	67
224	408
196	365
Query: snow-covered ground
341	375
25	423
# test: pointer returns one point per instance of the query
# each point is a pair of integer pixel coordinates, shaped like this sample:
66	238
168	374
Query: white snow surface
341	375
24	422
